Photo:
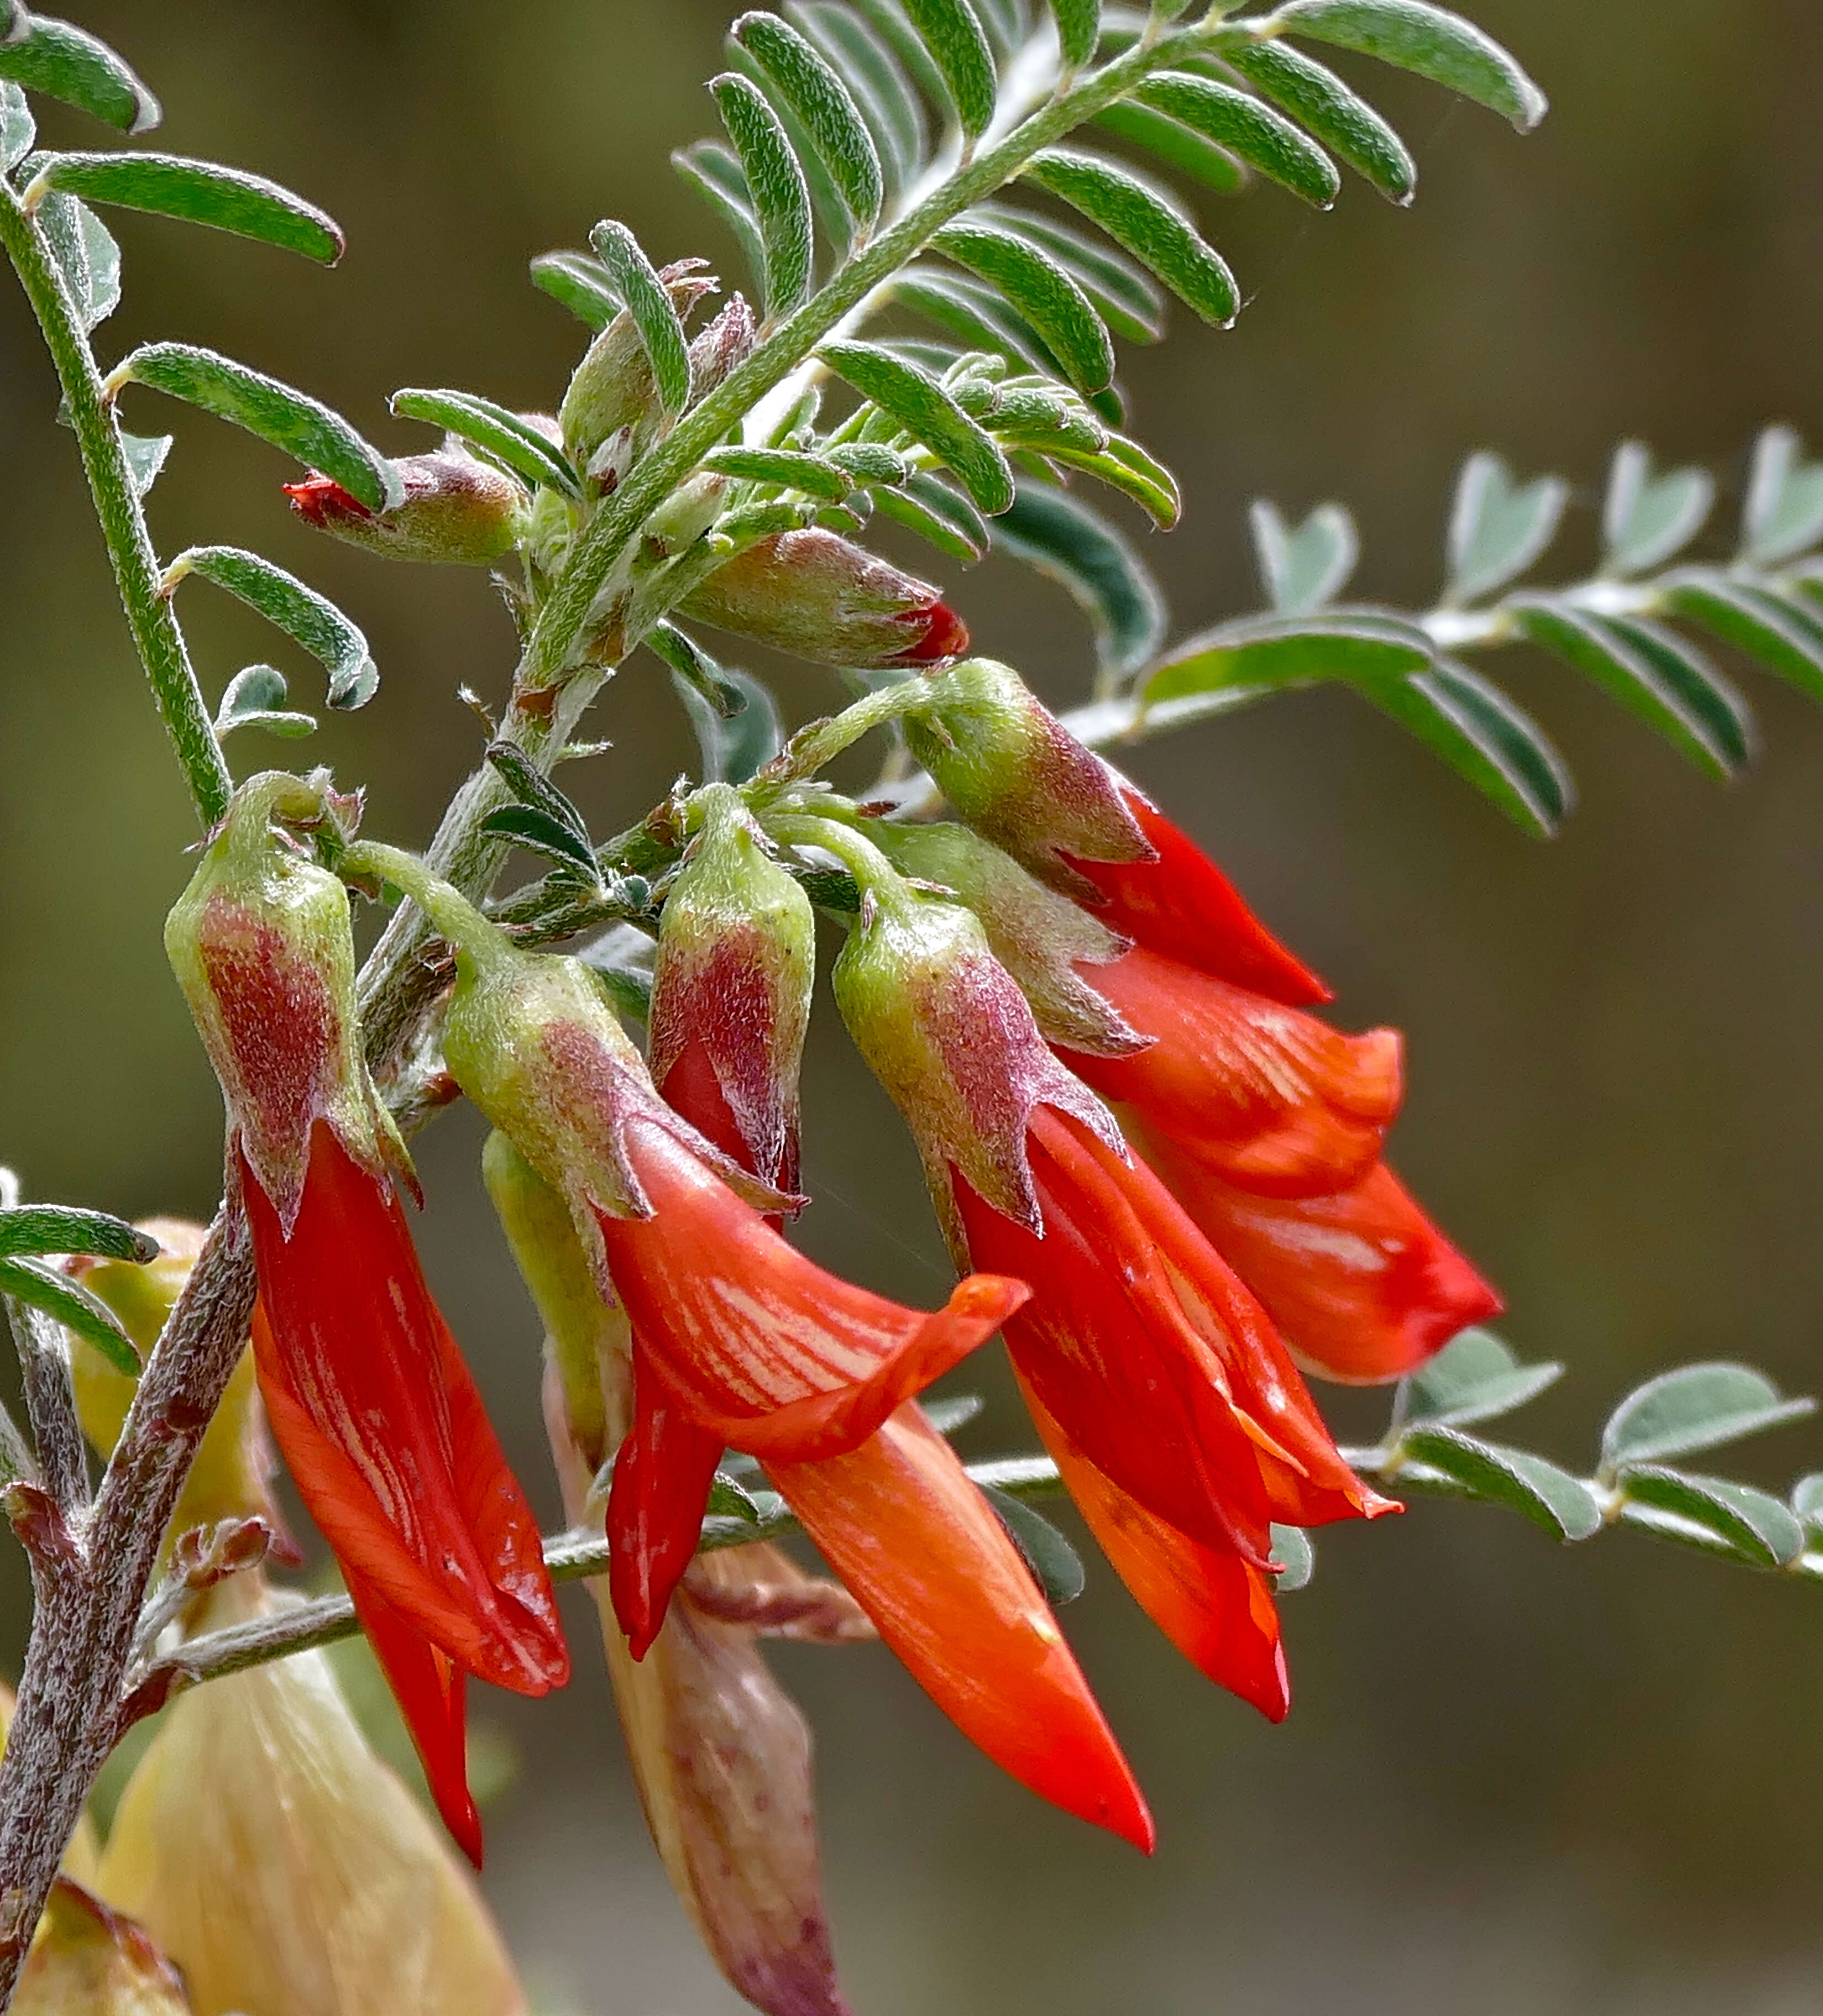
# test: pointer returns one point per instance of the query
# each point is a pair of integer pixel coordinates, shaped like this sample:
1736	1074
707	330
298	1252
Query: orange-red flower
367	1395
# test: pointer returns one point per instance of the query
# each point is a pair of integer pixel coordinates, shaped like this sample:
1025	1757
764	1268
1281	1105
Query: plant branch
150	616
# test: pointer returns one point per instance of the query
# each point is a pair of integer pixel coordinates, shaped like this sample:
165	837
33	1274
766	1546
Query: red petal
1216	1608
662	1481
1182	905
760	1345
388	1439
1270	1098
430	1691
923	1553
1363	1285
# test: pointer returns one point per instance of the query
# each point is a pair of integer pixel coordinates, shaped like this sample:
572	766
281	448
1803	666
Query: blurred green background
1515	1780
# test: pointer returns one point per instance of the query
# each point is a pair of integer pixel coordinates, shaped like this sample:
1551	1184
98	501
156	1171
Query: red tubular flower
1138	1341
1265	1096
919	1548
368	1397
1362	1285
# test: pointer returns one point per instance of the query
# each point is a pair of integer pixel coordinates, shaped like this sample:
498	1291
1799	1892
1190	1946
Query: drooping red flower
918	1546
368	1397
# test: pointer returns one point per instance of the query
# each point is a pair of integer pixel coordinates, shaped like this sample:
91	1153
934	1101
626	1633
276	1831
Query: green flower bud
732	985
457	509
1040	936
1018	776
813	593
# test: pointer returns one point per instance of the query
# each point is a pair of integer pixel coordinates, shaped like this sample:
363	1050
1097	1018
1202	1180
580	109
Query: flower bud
1019	778
813	593
731	987
612	401
1040	936
262	948
284	1867
88	1960
456	509
231	1478
946	1031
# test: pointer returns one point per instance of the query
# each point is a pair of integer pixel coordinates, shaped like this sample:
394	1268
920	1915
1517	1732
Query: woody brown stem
89	1577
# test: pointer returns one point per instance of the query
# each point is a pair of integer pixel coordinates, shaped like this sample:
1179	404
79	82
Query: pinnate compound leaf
61	1228
1430	41
1776	632
1078	29
1550	1497
1730	1518
780	194
18	129
1272	653
1342	120
824	106
494	430
951	31
307	617
1695	1407
1474	1378
199	193
928	413
1144	222
1645	518
1303	567
1056	1566
290	420
1043	291
87	256
581	283
28	1279
1064	539
648	301
65	61
255	698
1498	528
1654	678
1125	295
1784	514
1263	138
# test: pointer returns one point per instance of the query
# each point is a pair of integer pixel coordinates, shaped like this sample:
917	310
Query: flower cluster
1160	1176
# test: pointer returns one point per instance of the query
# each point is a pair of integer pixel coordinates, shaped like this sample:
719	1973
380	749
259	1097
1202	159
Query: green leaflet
1043	291
199	193
28	1280
87	256
1653	674
1498	528
1784	514
1264	139
1078	29
952	34
308	618
648	301
63	1228
937	514
717	177
255	698
492	428
927	412
1733	1519
1474	1378
1273	652
303	427
1303	567
65	61
1430	41
780	196
581	283
1694	1408
1340	117
877	81
1174	144
1055	1564
1776	631
1646	519
826	107
1143	222
1548	1496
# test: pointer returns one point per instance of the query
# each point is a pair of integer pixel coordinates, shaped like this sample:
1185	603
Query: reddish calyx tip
945	636
318	498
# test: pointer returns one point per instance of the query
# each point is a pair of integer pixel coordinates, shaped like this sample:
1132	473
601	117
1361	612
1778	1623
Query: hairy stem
150	616
89	1592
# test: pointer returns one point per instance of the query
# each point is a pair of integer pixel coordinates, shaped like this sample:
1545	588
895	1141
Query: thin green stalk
150	617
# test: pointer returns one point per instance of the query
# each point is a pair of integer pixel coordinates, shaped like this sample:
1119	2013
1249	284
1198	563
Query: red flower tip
319	499
945	636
